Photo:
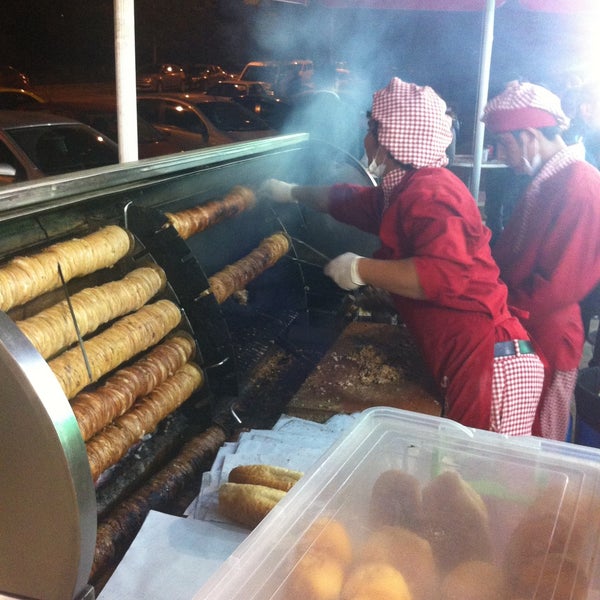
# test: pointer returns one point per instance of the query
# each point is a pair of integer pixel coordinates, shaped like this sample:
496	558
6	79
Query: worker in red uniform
549	252
435	260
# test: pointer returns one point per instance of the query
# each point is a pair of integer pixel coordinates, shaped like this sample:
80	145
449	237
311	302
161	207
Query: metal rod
77	331
311	248
304	262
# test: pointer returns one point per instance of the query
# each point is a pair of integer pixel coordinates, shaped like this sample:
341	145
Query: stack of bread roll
95	409
53	329
27	277
88	335
235	277
110	445
194	220
110	348
252	491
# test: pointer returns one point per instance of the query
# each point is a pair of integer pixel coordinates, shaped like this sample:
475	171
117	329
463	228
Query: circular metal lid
48	502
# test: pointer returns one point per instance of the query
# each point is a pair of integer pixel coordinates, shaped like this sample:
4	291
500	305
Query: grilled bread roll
237	276
27	277
53	329
129	336
194	220
246	503
112	443
95	409
279	478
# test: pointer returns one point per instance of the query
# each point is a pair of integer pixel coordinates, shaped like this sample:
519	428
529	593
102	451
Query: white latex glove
344	271
278	191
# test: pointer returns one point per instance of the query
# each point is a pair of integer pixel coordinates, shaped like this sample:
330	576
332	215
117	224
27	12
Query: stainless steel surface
63	190
48	504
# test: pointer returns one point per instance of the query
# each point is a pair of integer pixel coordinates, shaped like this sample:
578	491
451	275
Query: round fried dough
316	576
329	537
375	581
396	500
409	553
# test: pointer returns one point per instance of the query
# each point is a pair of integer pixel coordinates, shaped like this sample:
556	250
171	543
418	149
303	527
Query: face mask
531	168
376	169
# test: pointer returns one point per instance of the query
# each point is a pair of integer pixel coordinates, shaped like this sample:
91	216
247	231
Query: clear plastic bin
540	502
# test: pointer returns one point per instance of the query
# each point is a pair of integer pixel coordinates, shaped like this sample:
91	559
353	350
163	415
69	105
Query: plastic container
540	500
587	408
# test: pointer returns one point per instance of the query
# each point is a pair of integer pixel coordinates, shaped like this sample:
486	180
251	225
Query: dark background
63	41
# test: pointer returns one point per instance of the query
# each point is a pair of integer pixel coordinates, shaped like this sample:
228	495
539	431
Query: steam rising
441	49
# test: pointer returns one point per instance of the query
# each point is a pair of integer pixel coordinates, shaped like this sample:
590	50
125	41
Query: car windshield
65	148
261	73
107	123
229	116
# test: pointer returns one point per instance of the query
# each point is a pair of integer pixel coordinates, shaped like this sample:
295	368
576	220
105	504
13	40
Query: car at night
201	75
236	88
257	97
20	99
220	120
152	140
11	77
161	77
37	144
285	78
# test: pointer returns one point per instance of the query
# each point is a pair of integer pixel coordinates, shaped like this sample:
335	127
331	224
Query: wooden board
370	364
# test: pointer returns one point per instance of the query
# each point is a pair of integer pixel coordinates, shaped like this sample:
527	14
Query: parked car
257	97
200	76
36	144
286	78
152	140
11	77
236	88
20	99
275	111
220	119
161	77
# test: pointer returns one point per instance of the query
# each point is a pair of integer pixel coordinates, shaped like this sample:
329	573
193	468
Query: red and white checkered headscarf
523	105
412	124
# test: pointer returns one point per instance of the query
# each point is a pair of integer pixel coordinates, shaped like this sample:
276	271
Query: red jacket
433	218
557	263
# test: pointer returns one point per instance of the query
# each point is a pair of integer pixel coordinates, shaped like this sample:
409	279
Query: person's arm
315	197
312	196
351	271
395	276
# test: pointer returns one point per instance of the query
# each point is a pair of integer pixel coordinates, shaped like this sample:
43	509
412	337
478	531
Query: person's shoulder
440	180
581	172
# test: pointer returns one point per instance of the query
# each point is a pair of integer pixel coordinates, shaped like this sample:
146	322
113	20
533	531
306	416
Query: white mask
531	168
376	169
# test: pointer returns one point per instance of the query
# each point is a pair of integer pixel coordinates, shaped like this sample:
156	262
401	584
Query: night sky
70	40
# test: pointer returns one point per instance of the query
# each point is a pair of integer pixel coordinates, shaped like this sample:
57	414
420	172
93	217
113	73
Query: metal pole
482	96
125	79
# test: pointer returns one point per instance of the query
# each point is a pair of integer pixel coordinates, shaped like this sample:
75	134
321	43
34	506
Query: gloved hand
276	190
344	271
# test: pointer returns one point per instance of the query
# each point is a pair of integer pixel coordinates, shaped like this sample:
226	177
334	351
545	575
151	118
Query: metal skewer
77	331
